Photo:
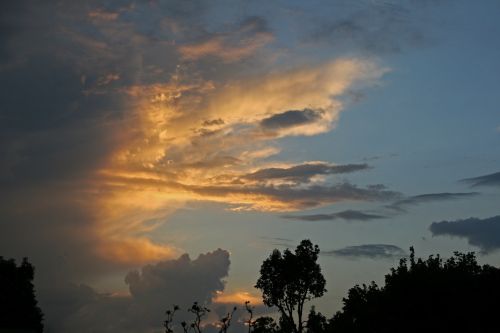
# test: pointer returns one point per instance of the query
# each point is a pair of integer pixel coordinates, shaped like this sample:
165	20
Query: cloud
279	241
349	215
429	197
483	233
289	197
372	251
302	173
242	42
492	179
379	27
153	289
291	118
114	116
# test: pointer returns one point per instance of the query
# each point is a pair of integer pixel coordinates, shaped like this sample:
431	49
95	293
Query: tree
264	325
287	280
18	305
316	322
433	295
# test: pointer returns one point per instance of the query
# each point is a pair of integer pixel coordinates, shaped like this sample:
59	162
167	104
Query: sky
156	152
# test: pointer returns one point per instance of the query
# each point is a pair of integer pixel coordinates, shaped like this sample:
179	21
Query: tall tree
18	305
288	280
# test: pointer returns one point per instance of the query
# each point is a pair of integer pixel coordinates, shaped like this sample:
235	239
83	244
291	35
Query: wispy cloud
492	179
290	197
377	27
372	251
231	46
302	173
349	215
400	205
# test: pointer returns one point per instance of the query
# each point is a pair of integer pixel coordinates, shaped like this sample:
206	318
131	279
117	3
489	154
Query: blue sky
133	132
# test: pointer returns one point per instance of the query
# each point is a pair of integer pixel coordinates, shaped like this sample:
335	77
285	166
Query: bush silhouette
18	306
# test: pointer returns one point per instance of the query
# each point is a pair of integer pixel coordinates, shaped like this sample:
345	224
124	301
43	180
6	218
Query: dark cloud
492	179
296	197
199	278
349	215
291	118
372	251
64	69
213	122
483	233
153	289
429	197
303	173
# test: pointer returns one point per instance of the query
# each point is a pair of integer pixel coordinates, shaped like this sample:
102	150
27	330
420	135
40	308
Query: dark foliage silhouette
433	295
18	305
265	325
316	322
288	280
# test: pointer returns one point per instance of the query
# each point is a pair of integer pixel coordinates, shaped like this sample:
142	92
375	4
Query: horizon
156	152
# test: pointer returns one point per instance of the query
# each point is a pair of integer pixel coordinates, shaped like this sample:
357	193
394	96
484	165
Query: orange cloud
220	47
178	153
242	42
239	297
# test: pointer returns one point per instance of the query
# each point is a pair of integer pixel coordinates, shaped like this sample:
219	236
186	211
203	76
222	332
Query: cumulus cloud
483	233
429	197
492	179
372	251
153	289
349	215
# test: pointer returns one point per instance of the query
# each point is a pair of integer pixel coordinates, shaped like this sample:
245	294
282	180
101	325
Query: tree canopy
18	305
288	280
433	295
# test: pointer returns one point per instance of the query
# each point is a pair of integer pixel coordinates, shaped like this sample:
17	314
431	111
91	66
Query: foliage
433	295
316	322
289	279
265	325
18	305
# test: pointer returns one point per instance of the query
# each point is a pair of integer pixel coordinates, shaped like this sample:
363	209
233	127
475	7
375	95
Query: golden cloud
196	140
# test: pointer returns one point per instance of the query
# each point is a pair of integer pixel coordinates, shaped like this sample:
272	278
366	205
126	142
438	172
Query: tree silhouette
265	325
199	312
18	305
456	295
316	322
288	280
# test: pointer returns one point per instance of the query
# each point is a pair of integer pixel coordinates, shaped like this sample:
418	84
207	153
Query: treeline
419	295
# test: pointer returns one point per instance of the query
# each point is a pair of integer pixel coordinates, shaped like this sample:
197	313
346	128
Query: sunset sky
155	152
